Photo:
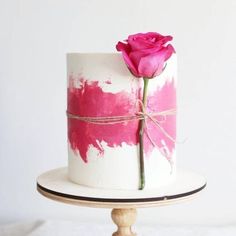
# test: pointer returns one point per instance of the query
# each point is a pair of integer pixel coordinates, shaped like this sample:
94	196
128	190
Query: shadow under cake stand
55	185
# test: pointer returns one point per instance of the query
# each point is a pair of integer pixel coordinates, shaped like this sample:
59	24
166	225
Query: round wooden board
55	185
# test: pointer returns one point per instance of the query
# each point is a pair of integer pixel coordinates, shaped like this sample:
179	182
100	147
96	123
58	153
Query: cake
104	104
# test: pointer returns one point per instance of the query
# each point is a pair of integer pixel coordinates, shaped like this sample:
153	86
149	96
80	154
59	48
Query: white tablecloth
69	228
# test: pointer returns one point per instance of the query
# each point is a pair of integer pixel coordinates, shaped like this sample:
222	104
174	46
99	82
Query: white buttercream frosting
118	167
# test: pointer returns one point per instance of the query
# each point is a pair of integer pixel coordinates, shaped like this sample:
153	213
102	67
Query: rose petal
140	44
120	46
169	51
142	41
125	49
164	40
152	65
136	56
145	35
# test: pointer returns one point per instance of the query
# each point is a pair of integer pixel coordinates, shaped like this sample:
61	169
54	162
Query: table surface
91	228
54	184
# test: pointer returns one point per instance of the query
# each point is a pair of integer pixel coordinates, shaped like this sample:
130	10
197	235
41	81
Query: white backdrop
34	38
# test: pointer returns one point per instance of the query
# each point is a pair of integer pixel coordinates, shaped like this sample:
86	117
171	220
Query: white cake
107	155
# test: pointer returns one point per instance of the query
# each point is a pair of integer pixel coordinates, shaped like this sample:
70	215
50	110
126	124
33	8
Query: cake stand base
124	219
55	185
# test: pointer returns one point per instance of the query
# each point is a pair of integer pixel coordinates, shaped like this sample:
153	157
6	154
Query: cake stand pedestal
55	185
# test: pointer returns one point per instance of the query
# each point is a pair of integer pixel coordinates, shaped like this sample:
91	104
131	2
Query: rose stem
141	131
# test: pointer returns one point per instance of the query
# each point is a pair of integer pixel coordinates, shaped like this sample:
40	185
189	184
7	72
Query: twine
109	120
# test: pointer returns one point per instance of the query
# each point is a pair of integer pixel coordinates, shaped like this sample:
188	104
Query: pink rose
146	54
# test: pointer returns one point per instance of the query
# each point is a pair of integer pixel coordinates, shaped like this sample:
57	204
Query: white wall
34	37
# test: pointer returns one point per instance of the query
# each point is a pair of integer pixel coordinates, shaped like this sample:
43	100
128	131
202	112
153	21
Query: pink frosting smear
89	100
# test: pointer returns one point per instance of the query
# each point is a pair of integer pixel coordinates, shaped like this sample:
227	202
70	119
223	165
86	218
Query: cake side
106	155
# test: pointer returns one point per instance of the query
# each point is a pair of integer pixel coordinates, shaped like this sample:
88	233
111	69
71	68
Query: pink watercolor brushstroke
162	99
90	100
108	81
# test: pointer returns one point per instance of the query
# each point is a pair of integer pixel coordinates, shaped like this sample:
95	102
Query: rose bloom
146	54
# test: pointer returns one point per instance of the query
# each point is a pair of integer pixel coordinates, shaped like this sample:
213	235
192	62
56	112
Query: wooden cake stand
55	185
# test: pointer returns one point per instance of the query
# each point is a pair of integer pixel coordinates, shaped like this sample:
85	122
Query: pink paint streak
161	100
108	81
90	100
